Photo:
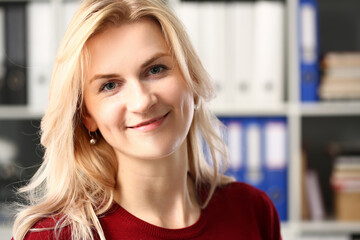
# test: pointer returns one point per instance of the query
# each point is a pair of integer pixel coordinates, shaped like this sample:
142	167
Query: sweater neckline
161	232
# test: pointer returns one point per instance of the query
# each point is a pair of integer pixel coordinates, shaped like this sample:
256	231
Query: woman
123	136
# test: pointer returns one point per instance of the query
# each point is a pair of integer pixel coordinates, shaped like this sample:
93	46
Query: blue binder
309	50
266	138
276	163
254	171
235	142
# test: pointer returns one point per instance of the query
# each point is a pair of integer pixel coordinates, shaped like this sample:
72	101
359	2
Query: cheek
182	99
177	93
107	114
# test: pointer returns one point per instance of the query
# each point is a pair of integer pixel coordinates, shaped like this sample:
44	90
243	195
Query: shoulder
47	228
246	203
239	191
250	197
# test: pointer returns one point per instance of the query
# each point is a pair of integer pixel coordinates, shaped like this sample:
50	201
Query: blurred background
287	76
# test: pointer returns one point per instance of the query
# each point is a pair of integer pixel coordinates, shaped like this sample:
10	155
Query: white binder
189	15
69	9
41	52
254	174
275	145
239	51
268	52
212	49
235	145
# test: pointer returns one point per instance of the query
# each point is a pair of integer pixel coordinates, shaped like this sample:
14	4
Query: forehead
135	37
124	46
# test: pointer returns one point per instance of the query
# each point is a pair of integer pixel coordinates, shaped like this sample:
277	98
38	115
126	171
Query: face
134	93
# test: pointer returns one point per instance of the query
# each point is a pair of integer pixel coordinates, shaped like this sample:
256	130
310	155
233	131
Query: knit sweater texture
235	211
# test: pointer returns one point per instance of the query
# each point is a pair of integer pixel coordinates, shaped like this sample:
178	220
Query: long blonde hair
70	184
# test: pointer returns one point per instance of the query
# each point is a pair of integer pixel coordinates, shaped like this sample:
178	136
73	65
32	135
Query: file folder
275	136
236	149
2	49
268	66
309	50
41	53
189	14
212	49
254	168
239	51
259	156
69	8
15	85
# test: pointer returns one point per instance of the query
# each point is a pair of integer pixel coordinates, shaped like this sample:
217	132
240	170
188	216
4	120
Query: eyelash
163	67
103	87
148	73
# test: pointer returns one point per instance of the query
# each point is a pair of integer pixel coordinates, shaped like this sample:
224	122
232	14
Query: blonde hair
70	185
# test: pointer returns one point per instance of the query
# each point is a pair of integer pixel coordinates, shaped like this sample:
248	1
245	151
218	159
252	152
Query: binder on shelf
69	8
241	44
254	167
236	149
309	50
212	48
258	156
189	14
14	87
41	52
275	153
2	52
239	51
268	62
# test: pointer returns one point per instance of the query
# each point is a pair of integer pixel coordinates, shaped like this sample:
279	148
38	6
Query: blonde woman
123	136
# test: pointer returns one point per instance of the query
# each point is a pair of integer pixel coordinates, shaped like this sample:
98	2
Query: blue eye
157	69
109	86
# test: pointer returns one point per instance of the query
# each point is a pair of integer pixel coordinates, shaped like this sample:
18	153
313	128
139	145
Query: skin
136	96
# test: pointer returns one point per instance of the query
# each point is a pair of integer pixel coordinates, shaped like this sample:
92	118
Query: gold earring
196	104
93	138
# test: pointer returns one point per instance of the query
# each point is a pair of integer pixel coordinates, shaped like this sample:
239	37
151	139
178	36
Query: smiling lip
151	124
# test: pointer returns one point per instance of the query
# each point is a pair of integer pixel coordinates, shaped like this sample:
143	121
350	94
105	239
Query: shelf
286	231
331	109
302	118
18	112
251	110
5	1
6	231
330	227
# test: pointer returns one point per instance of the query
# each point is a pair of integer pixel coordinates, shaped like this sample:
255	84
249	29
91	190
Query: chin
154	155
152	152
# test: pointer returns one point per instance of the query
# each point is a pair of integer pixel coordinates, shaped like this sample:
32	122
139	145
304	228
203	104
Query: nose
140	97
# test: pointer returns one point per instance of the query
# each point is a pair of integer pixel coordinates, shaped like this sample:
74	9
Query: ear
89	122
196	99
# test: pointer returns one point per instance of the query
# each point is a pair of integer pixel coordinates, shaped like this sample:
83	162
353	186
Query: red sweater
236	211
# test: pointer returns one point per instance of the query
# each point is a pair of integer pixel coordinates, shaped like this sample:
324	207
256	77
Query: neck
158	191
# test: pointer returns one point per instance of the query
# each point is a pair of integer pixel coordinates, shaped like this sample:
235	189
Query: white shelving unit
18	112
331	109
5	232
293	110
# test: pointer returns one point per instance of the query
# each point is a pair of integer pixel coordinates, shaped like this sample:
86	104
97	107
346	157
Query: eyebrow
154	58
145	64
